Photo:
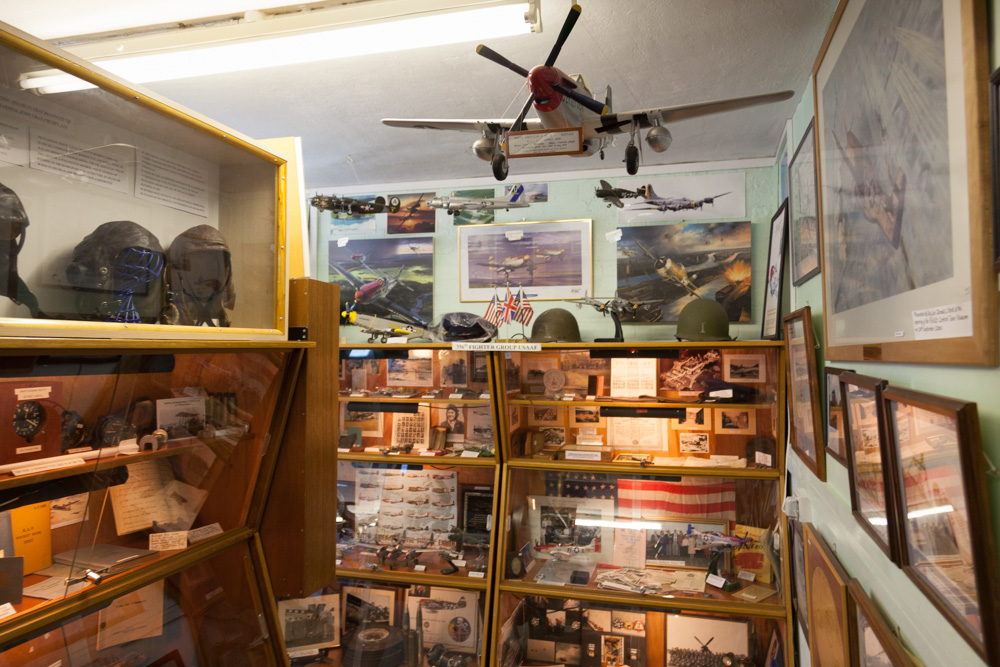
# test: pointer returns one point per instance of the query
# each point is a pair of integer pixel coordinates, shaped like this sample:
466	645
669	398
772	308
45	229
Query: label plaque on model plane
535	143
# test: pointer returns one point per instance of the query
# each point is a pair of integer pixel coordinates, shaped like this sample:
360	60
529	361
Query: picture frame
833	415
803	209
770	325
556	520
880	302
586	416
800	596
695	419
744	368
476	503
310	623
805	422
666	546
876	643
454	368
694	442
830	629
994	104
946	539
551	259
410	372
684	648
545	415
782	159
869	460
735	421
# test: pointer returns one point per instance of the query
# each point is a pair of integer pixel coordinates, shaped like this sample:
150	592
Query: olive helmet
555	325
703	319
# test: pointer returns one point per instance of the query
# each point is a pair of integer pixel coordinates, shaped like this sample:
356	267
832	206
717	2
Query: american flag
524	310
494	314
509	308
690	496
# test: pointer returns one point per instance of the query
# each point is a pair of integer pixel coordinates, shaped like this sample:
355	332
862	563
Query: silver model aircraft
565	101
455	204
655	203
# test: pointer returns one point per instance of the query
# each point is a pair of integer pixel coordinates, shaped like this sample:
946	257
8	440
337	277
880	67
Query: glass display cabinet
124	215
643	478
124	462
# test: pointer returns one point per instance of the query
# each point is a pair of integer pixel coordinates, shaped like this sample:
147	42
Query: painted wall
571	195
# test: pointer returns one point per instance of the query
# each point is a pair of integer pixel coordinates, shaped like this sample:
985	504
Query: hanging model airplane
455	204
655	203
614	196
354	208
565	101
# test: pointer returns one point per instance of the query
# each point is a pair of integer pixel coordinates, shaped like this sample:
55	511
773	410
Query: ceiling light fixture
358	29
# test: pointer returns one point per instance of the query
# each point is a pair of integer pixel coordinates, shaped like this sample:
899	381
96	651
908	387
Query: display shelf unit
152	469
418	468
642	479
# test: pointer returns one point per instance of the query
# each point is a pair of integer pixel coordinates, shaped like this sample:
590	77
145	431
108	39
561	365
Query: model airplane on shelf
643	311
696	540
354	208
565	101
613	196
655	203
381	329
454	204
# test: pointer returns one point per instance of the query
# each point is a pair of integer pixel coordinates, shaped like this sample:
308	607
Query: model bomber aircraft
565	101
455	204
353	207
655	203
613	196
644	311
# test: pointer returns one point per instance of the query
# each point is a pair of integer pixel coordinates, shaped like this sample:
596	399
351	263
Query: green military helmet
555	325
703	319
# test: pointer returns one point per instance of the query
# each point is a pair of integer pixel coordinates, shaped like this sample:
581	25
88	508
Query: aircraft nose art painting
678	263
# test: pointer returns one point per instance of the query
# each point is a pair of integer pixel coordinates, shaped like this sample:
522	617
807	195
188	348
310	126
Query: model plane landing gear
602	153
499	163
631	159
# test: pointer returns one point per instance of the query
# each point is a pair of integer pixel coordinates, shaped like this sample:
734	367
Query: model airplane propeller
565	101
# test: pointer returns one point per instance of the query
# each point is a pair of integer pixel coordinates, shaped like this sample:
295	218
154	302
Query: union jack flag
524	310
494	314
509	308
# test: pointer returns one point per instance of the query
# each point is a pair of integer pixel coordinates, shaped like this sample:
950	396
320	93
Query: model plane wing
618	122
459	125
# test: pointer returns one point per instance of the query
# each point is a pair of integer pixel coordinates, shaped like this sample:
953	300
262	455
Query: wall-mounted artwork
907	265
475	217
413	216
534	193
826	584
703	197
668	266
803	209
550	260
386	277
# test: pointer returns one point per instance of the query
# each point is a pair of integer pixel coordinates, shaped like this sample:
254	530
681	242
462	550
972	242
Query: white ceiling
654	53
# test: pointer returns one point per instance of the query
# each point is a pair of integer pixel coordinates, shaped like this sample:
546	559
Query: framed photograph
513	418
995	159
480	364
947	535
555	437
453	420
413	216
805	420
587	416
367	604
694	442
570	522
412	372
775	650
454	368
800	597
476	503
803	209
784	157
876	642
826	584
688	640
310	623
479	426
412	428
834	415
550	259
744	368
545	415
670	545
706	259
735	421
869	460
695	419
370	423
907	259
533	369
770	328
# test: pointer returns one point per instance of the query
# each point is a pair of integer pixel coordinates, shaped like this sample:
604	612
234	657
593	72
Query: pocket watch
29	417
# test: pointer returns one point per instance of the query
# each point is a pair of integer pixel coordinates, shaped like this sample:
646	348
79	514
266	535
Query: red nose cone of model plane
540	80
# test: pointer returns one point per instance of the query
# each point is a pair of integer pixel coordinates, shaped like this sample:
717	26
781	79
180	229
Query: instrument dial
29	417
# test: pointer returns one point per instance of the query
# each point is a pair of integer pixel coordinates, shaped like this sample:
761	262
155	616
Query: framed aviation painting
908	273
805	420
552	260
803	209
770	328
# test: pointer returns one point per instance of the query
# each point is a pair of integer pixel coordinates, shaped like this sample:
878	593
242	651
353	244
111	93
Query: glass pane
866	443
170	225
676	537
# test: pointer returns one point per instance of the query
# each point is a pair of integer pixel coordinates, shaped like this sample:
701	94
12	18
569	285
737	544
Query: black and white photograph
689	638
479	426
669	544
182	417
310	623
366	605
695	419
744	368
545	415
412	372
587	416
694	443
735	421
454	422
687	372
572	522
454	368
